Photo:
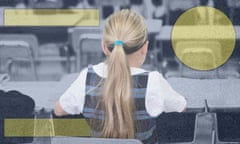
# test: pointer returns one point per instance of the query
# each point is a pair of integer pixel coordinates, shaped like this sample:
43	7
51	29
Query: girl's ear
105	49
145	48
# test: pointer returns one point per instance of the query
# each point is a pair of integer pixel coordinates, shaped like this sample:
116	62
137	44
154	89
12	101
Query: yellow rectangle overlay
51	17
45	127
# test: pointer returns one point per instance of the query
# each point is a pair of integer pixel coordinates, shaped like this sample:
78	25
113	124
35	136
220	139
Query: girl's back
117	97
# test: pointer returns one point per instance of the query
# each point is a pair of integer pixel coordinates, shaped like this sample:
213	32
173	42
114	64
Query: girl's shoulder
101	70
156	78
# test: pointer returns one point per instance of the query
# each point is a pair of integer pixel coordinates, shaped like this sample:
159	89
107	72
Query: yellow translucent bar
45	127
51	17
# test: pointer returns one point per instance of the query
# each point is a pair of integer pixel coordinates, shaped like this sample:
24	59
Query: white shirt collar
101	70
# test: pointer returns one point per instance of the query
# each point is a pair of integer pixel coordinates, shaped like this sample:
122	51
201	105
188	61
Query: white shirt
160	97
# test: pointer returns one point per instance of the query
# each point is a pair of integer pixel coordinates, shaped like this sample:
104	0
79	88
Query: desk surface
218	92
45	94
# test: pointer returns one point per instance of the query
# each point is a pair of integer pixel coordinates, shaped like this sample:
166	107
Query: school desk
219	93
45	94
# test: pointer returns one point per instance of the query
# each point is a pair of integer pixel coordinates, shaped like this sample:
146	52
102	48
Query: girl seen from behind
117	97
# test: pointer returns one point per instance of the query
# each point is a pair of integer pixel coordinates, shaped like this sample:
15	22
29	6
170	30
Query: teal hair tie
118	42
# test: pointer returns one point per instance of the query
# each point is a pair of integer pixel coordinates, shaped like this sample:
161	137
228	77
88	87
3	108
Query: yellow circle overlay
203	38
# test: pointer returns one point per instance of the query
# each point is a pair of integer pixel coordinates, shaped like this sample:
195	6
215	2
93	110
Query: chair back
15	105
81	140
176	127
18	48
204	54
89	50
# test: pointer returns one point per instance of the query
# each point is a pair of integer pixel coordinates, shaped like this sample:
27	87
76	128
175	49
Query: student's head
125	44
130	28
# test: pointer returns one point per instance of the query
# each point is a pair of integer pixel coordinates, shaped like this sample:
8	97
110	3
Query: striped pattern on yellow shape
51	17
45	127
203	38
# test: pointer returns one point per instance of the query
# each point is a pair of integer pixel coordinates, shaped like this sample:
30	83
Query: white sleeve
72	101
160	97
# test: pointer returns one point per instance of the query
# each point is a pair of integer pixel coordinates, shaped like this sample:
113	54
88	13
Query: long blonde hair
118	103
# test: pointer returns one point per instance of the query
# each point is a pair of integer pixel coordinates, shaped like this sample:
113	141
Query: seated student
117	97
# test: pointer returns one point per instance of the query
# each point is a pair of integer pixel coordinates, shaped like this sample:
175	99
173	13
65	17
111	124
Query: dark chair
227	125
191	127
76	133
107	10
14	105
176	127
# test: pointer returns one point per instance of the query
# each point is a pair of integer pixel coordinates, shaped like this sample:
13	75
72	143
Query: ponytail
117	97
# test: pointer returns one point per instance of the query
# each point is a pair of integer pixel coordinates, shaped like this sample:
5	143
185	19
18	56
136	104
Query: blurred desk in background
45	94
219	93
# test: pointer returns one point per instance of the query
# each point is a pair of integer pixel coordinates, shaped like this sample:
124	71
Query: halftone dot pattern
203	38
